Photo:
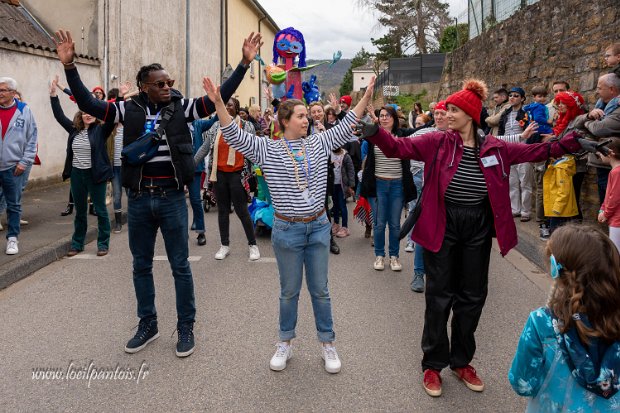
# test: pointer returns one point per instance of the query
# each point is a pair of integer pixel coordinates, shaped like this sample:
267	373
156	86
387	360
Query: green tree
360	59
416	24
388	46
454	37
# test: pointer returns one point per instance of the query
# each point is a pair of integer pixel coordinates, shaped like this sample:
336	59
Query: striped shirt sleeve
251	146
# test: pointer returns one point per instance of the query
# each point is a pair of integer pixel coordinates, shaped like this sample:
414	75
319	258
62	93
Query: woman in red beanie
466	202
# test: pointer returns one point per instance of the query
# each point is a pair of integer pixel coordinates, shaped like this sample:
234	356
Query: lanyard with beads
298	158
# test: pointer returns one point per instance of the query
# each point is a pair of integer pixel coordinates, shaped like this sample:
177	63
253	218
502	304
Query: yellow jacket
558	191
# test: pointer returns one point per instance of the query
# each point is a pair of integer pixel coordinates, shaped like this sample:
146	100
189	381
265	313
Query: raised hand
531	129
333	102
213	92
269	94
250	47
370	89
53	86
65	47
124	88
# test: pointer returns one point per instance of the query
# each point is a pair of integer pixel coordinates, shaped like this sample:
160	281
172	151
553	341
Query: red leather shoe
432	382
468	376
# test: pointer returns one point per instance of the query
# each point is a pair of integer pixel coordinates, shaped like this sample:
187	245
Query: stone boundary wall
546	41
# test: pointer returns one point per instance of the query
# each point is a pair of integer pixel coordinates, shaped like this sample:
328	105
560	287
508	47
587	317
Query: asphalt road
79	312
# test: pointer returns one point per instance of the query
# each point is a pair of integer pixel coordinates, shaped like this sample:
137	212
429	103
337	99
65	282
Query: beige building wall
361	79
121	34
244	17
33	74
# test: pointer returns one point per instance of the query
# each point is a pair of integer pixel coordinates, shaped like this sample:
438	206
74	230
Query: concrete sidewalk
47	237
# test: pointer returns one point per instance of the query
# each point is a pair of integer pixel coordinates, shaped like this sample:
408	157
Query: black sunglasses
161	83
514	95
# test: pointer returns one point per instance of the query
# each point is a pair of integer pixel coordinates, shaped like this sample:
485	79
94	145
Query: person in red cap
466	202
345	103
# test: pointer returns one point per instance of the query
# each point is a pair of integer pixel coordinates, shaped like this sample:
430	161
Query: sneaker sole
432	393
379	269
221	258
470	386
417	290
136	349
396	269
185	353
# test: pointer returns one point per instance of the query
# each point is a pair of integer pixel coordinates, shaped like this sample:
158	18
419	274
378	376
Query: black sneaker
147	332
185	345
202	240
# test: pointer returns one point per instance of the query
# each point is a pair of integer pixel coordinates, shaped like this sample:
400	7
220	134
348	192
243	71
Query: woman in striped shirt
296	172
388	185
89	167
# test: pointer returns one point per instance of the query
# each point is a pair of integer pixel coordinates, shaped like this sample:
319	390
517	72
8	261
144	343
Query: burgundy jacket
430	228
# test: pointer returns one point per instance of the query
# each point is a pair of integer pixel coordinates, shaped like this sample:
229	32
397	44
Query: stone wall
549	40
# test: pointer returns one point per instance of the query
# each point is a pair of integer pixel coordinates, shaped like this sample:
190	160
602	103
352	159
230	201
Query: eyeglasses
385	116
6	90
514	95
161	83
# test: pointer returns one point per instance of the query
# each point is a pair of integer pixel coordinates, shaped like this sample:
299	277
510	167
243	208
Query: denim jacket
20	141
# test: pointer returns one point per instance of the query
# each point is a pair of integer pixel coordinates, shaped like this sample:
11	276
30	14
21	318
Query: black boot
91	209
118	223
333	247
67	211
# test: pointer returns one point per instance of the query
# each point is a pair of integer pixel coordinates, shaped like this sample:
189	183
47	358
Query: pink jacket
498	155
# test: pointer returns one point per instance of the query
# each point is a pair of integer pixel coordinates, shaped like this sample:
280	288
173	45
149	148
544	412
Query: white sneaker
409	247
379	265
395	264
11	246
254	253
222	252
1	227
332	362
283	353
23	222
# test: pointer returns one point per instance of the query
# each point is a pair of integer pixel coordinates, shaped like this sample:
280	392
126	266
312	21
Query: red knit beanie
346	99
441	106
469	100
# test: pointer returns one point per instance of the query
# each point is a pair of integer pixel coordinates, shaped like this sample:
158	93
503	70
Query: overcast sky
331	25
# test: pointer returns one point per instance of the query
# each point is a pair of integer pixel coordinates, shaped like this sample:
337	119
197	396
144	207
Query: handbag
412	218
146	146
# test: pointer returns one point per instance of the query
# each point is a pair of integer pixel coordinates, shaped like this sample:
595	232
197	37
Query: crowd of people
464	171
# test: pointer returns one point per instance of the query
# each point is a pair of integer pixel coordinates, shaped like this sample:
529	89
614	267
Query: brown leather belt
300	219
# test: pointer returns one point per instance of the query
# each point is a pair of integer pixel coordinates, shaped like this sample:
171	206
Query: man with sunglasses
156	198
513	122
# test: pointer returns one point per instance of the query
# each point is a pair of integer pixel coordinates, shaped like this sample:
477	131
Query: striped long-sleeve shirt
279	169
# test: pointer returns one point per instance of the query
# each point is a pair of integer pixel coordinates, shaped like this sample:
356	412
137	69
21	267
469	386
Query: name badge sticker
308	197
488	161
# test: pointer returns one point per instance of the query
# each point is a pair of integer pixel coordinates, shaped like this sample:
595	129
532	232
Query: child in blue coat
538	112
568	357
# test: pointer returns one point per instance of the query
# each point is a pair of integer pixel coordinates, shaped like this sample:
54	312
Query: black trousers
228	188
457	280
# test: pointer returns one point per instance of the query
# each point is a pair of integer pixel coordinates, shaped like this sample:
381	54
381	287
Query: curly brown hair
589	281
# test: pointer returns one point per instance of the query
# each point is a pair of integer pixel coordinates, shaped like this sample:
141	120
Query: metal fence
410	70
484	14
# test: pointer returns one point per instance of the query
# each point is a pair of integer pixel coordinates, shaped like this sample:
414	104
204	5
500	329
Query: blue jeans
418	254
147	211
299	244
387	207
117	189
82	186
11	188
340	206
602	176
22	181
198	220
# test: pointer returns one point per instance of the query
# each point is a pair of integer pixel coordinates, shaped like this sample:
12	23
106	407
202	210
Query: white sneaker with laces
409	247
11	246
222	252
379	265
283	353
395	264
23	222
254	253
332	362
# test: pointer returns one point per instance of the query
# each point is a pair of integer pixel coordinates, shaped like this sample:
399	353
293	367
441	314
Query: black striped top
279	170
468	186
